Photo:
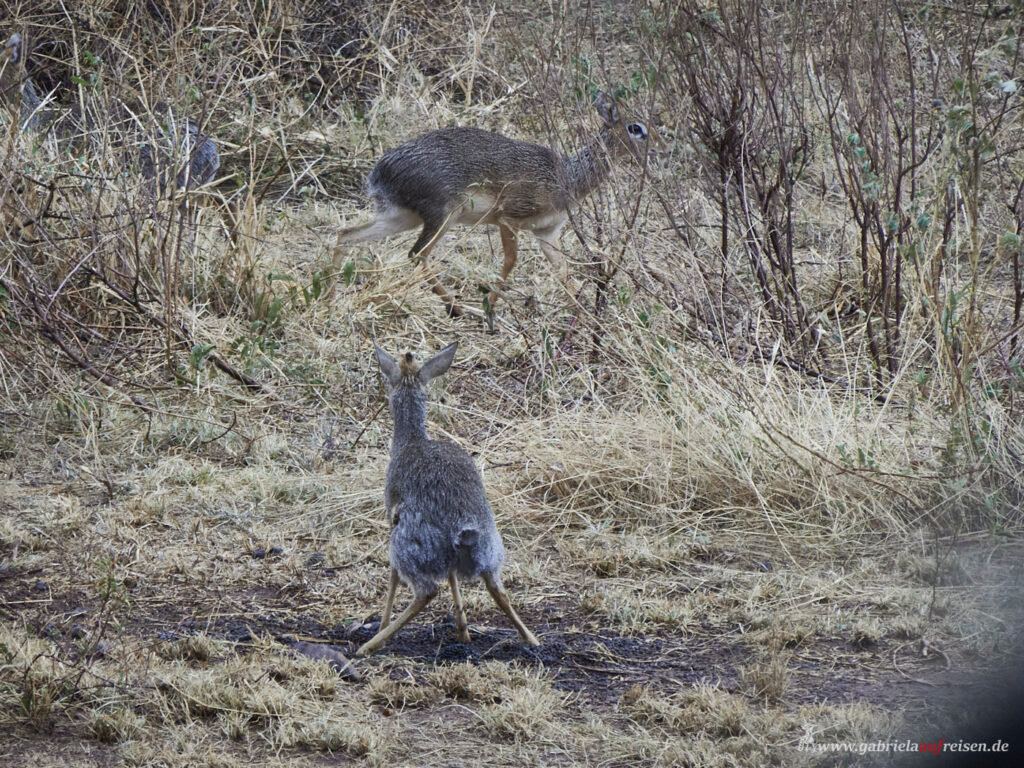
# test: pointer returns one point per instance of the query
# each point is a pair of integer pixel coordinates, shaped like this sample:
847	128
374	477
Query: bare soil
938	690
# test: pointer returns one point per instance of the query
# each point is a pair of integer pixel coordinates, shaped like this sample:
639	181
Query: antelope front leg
510	247
548	240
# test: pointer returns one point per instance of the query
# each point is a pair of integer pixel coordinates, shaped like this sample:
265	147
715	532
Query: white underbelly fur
482	209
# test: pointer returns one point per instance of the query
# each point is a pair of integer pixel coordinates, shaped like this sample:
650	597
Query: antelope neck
408	404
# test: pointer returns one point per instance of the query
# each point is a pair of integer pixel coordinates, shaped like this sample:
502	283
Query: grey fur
471	176
442	526
35	113
201	151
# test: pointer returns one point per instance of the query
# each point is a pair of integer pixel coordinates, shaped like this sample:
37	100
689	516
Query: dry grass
719	550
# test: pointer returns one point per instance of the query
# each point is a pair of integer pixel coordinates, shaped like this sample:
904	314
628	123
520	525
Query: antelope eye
636	130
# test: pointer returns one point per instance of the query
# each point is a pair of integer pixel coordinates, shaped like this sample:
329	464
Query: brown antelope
471	176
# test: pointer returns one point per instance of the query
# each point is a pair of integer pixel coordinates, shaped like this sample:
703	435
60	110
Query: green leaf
198	355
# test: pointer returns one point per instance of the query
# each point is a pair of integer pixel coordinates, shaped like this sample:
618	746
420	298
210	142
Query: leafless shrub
740	73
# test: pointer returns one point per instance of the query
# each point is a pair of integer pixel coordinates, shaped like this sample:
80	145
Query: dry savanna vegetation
758	466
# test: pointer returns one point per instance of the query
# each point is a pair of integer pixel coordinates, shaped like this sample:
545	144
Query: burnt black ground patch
601	665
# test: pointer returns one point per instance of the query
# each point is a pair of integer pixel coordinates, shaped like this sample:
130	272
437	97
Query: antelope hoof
365	649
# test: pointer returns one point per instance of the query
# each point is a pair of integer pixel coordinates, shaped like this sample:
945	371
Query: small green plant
198	354
78	412
255	348
91	79
348	272
864	460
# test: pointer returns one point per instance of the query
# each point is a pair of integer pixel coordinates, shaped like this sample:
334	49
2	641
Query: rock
338	661
317	558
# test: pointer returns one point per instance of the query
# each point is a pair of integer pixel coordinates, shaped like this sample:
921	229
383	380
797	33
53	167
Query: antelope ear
388	366
606	108
438	364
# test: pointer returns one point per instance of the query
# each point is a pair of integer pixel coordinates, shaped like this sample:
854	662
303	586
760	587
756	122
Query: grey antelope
32	111
442	527
471	176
